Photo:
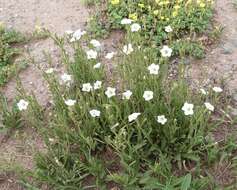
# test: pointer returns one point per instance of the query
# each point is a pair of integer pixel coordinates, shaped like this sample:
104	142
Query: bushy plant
178	22
135	130
184	16
139	129
10	118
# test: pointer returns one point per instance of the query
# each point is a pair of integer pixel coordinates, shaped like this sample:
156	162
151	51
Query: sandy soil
55	15
221	62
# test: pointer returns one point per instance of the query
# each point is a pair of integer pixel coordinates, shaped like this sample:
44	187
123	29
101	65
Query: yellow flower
175	13
177	7
133	16
202	5
155	12
114	2
141	5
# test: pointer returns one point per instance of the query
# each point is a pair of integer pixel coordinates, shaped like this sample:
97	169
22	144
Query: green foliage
7	53
186	47
235	4
10	118
90	2
144	152
86	152
185	17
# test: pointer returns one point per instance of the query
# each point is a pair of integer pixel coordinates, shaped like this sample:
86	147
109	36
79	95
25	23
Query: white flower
91	54
66	78
133	116
161	119
166	51
127	95
209	106
70	102
51	140
203	91
95	43
217	89
168	29
97	66
148	95
126	21
49	71
77	35
95	113
72	39
97	85
68	32
188	108
86	87
110	55
135	27
154	69
127	49
22	105
110	92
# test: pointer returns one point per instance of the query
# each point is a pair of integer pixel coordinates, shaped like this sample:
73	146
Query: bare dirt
220	63
26	15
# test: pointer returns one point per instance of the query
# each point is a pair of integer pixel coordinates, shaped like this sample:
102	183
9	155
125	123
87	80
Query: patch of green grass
185	17
90	2
235	3
9	38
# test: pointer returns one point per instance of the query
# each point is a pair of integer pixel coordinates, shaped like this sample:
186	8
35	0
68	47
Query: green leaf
186	182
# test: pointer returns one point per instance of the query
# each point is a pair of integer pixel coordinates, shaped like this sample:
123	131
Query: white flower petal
97	85
110	55
203	91
166	51
110	92
168	29
126	21
22	105
209	106
127	95
128	49
133	116
148	95
49	71
217	89
154	69
188	109
86	87
95	43
161	119
91	54
97	66
95	113
70	102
